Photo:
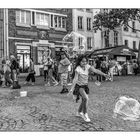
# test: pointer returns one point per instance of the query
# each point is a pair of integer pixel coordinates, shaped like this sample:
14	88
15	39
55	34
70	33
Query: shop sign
122	59
26	33
126	51
60	36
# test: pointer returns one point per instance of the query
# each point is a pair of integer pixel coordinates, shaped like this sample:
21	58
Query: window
133	26
42	19
89	10
89	43
106	38
63	22
89	24
126	42
33	18
134	45
80	9
125	28
40	56
80	22
105	10
56	21
52	20
80	40
23	17
60	22
115	38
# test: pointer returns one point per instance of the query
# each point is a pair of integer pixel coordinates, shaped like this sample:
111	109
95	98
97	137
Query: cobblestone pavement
44	109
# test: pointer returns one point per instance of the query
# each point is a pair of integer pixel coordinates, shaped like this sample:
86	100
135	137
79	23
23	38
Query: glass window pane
17	16
28	18
22	17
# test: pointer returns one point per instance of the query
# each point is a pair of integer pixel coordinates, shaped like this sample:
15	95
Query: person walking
135	67
80	85
63	71
31	74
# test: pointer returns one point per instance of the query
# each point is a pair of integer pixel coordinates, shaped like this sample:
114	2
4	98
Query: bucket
23	93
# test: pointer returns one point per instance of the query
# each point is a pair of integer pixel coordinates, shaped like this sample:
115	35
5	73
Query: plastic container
23	93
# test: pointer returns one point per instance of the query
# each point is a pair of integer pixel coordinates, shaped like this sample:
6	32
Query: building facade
82	24
31	32
120	36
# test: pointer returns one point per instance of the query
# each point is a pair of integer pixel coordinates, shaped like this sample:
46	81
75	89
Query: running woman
80	84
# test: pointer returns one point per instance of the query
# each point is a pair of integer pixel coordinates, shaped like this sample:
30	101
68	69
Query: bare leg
84	101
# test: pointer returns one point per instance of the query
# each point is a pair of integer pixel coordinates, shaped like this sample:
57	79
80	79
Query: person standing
31	75
80	84
135	67
51	79
63	71
7	73
104	68
112	65
14	67
45	70
98	77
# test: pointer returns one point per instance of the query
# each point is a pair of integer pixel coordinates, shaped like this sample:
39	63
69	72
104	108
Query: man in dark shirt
14	67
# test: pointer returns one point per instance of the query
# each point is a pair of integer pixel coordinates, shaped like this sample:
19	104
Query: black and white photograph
69	69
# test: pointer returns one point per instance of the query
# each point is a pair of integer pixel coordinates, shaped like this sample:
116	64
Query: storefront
119	53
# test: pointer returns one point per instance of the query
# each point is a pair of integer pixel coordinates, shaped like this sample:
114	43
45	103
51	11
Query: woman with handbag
31	75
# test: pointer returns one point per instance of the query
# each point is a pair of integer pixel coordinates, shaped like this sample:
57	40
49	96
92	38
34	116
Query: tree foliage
113	18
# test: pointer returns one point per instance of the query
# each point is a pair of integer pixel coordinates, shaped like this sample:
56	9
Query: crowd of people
60	72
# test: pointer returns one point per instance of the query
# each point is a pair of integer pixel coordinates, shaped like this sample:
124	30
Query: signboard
120	58
125	52
26	33
60	36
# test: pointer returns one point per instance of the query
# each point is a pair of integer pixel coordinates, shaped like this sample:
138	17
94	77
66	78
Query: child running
80	84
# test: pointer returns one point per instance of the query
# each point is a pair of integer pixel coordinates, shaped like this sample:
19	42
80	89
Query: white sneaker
48	84
69	84
56	84
86	118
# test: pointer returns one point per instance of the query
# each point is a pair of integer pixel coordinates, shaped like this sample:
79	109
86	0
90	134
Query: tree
113	18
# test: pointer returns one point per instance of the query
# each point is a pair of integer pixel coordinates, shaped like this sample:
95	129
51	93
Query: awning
117	50
122	51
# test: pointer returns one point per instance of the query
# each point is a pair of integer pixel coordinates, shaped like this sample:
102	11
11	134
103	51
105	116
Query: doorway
23	56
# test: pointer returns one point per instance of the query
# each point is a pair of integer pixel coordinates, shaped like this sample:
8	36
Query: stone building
30	32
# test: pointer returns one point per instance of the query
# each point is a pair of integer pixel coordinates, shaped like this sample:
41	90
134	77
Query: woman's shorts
76	91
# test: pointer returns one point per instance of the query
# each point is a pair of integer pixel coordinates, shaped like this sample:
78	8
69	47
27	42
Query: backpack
16	85
135	65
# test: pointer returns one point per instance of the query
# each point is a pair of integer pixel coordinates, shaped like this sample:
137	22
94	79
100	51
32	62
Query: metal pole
7	40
